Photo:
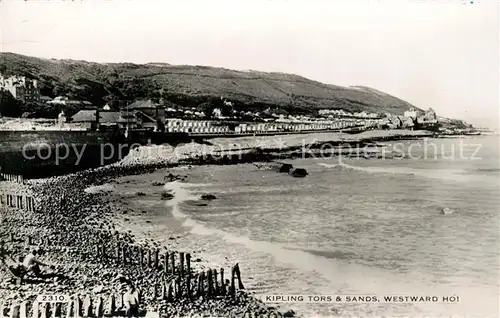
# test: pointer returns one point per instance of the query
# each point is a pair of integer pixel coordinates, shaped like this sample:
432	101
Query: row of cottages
195	126
283	127
114	120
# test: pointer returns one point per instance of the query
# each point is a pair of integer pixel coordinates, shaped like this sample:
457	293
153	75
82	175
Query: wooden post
118	253
111	306
156	255
98	251
188	264
148	260
141	256
99	310
77	306
178	289
119	301
163	292
87	306
57	311
23	310
181	266
45	310
14	311
238	276
232	288
2	309
200	291
165	263
210	283
222	282
69	309
172	262
29	241
12	237
154	291
35	309
216	283
124	254
188	287
169	291
103	250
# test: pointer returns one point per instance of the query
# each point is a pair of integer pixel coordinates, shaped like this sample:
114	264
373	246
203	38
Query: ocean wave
445	174
486	170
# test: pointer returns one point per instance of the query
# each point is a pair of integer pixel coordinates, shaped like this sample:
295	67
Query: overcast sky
436	53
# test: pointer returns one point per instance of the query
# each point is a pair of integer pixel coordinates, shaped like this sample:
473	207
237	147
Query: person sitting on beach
131	302
32	264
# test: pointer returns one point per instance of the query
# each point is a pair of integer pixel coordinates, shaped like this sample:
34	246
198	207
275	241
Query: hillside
191	85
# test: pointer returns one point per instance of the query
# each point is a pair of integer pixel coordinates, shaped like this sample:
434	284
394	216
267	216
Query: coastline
80	218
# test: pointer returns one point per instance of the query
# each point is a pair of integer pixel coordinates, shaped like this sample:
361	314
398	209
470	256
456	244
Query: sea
424	224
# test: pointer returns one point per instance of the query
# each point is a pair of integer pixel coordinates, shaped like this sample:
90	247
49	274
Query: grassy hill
191	85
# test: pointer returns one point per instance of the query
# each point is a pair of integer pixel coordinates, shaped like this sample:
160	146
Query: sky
442	54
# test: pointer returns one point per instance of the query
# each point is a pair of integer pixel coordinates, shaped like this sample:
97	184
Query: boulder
167	196
208	197
285	168
299	173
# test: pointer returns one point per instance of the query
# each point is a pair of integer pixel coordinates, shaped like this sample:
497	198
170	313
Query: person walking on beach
131	302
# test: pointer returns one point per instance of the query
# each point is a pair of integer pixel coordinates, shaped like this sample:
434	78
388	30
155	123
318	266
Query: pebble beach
73	215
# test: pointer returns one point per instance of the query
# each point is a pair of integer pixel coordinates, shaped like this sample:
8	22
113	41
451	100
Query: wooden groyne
21	202
77	306
179	280
12	178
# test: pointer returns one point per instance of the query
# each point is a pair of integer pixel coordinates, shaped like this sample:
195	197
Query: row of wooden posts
152	259
98	306
22	202
75	306
12	177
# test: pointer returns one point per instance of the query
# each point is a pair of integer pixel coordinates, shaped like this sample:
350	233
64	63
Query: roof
141	104
109	117
84	116
104	117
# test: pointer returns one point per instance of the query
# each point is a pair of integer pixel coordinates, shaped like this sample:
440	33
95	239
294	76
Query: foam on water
333	272
443	174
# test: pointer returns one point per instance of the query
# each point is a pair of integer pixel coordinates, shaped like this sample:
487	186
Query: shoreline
65	211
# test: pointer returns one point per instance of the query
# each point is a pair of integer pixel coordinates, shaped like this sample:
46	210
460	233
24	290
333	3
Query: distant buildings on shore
21	88
165	116
153	116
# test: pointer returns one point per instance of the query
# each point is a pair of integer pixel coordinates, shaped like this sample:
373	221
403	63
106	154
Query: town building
411	113
196	126
149	108
21	88
114	120
64	100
